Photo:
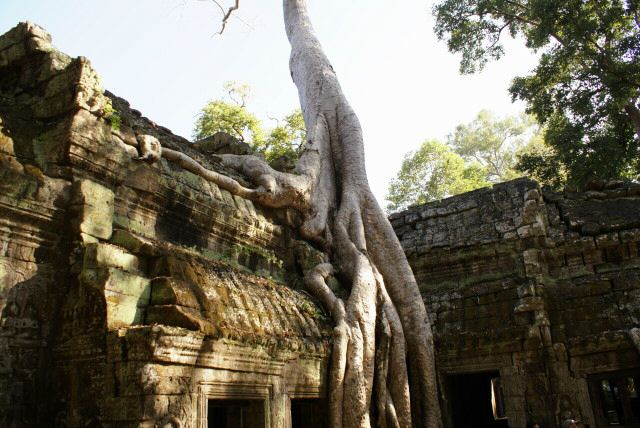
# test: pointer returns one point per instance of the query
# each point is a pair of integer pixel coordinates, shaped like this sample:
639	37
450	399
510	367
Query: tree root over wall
382	369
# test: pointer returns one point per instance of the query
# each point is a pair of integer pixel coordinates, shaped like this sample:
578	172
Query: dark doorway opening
309	413
616	398
475	401
236	414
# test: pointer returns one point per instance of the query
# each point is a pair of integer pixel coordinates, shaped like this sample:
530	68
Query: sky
165	58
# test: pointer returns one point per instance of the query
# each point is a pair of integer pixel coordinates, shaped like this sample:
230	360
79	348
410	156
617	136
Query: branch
227	15
560	39
500	30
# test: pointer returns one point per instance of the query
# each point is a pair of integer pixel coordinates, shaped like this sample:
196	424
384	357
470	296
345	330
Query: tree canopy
230	116
493	142
285	141
477	154
586	87
281	143
432	172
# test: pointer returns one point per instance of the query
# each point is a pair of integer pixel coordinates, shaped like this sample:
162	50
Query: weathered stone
168	291
222	143
178	316
100	255
94	207
567	287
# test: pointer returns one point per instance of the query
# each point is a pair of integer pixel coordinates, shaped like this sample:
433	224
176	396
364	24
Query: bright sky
162	56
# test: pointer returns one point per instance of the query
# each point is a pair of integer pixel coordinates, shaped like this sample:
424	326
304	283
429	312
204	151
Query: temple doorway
236	414
309	413
475	400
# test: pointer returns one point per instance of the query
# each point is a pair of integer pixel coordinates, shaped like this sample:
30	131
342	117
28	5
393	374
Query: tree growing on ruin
382	368
586	87
231	115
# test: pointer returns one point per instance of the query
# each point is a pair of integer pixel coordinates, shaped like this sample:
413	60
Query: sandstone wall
130	293
541	286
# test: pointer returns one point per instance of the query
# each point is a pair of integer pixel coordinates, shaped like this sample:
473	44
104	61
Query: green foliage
112	115
493	142
433	172
599	154
586	88
231	116
286	139
539	161
477	154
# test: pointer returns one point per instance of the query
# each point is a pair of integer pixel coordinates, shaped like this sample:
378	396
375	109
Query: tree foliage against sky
493	142
287	138
586	87
231	116
477	154
432	172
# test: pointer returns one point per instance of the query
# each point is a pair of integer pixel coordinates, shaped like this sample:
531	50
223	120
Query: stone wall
130	293
542	287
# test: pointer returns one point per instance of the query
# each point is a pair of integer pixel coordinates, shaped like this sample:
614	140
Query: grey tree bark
634	115
382	369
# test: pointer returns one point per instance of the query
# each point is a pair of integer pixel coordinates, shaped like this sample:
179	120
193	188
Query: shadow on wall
23	328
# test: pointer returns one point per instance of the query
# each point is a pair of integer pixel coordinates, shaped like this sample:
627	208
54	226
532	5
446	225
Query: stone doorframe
232	391
307	391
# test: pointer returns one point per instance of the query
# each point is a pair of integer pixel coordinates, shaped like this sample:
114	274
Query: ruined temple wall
541	286
132	293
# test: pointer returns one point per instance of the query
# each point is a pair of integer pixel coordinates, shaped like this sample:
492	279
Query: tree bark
345	216
634	114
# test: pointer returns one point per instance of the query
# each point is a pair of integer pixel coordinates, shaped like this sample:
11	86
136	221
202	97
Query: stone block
144	177
528	304
123	310
169	291
179	316
134	243
155	406
126	295
626	281
121	408
607	240
101	255
529	211
532	195
93	206
131	285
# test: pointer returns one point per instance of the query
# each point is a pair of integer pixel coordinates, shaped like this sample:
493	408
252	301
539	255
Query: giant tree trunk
363	248
382	369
